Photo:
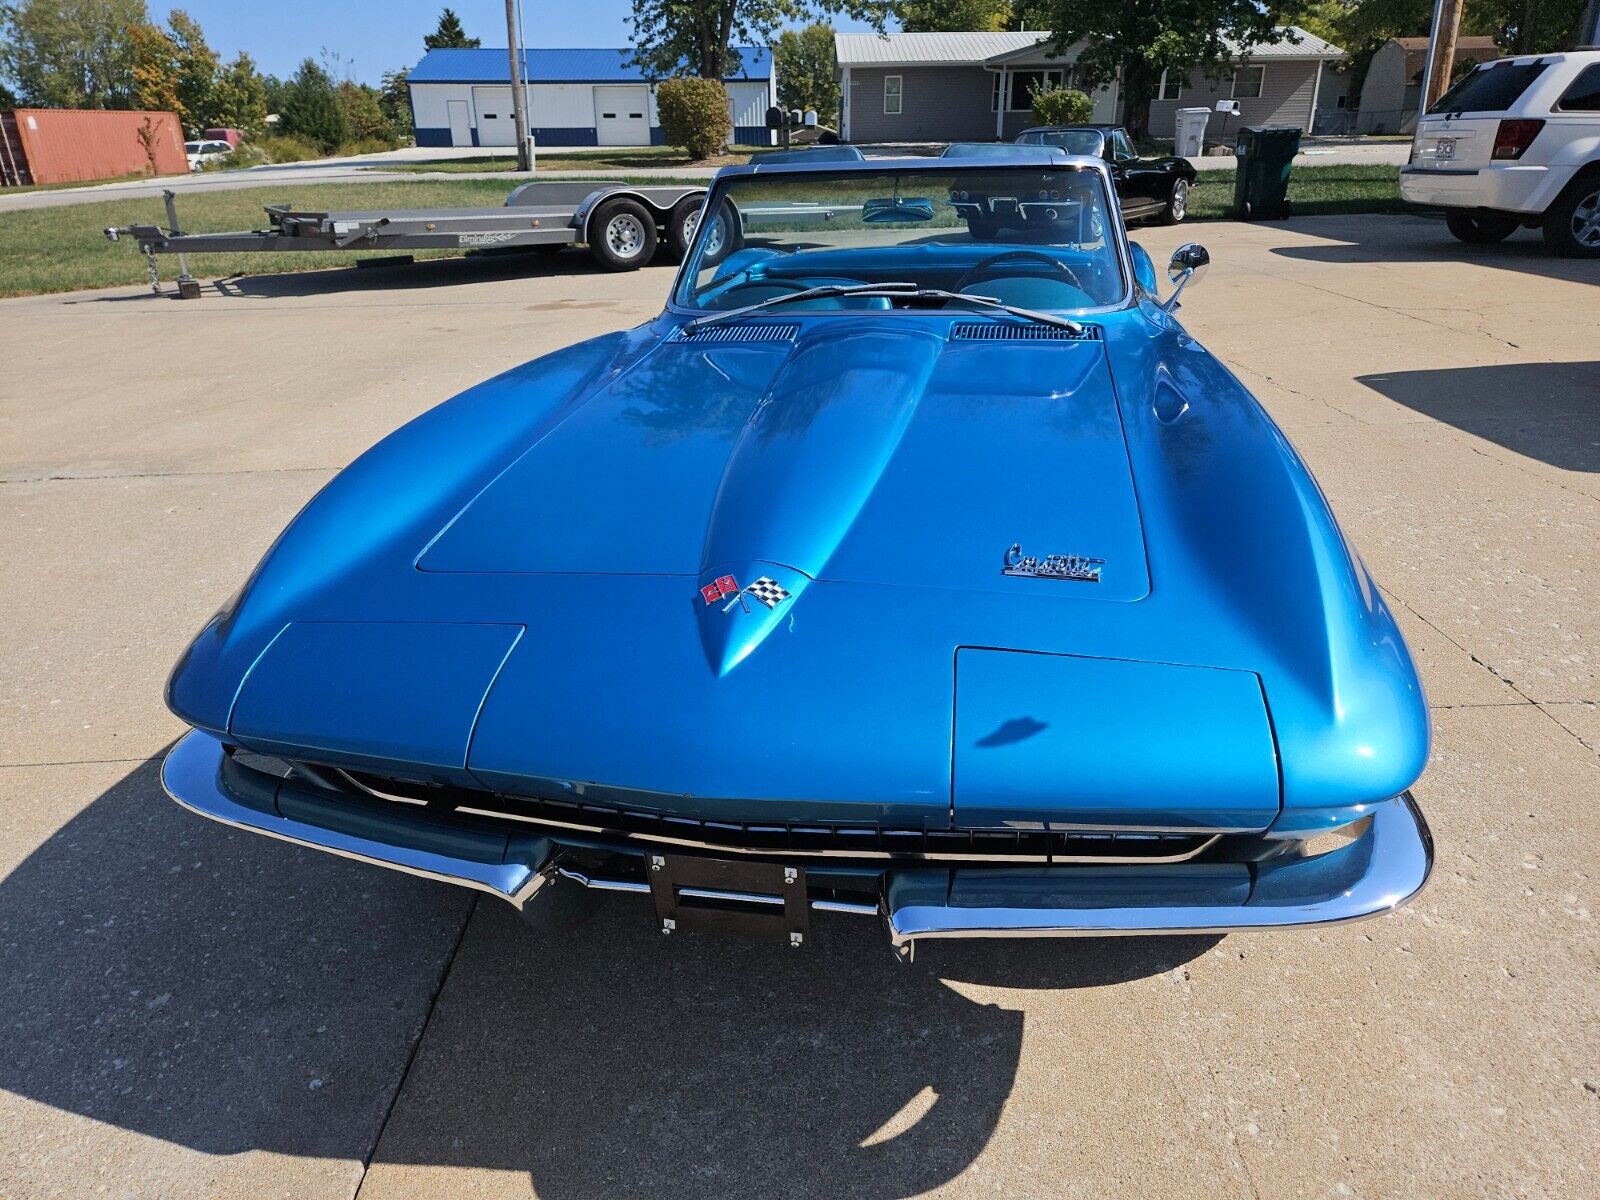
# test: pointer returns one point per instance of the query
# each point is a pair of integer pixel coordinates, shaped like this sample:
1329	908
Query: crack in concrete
416	1046
169	474
1527	700
1324	401
79	762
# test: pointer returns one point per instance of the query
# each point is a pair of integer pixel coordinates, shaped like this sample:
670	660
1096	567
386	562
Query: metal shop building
575	98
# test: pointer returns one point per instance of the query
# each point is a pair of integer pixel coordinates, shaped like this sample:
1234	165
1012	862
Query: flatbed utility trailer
621	224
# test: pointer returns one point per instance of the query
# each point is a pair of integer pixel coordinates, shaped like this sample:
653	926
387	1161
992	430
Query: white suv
1516	142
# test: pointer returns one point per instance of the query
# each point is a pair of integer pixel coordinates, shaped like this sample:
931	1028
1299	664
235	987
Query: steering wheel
979	269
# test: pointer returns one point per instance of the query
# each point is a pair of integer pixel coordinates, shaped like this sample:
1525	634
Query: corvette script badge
765	590
1052	566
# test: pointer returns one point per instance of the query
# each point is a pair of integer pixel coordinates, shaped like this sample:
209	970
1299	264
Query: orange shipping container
66	145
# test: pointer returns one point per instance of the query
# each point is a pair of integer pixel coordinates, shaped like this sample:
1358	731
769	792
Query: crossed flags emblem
765	590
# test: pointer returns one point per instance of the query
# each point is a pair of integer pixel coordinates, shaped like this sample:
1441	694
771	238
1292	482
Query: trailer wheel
681	225
622	235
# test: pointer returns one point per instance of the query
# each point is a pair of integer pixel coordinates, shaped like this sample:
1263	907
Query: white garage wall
750	104
428	101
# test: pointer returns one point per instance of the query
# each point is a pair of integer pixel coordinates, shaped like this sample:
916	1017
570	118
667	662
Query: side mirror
1188	265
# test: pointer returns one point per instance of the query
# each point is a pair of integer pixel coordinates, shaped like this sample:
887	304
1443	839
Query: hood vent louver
743	331
996	331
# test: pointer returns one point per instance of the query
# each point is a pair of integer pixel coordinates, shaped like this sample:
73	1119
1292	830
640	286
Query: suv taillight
1513	137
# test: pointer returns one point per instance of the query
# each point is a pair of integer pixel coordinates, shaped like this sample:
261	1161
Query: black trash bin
1261	186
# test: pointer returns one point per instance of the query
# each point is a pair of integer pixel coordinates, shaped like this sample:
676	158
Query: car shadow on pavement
1401	239
1548	411
227	993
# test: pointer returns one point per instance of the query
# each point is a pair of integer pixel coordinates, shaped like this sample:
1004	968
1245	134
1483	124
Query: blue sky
380	34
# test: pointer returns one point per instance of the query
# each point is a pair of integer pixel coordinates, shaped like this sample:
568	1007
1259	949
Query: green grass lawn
1313	191
62	249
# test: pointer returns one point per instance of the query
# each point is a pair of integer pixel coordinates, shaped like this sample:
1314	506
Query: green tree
71	53
693	37
804	60
1136	40
8	98
941	16
311	108
395	99
239	99
449	34
274	91
363	114
153	64
197	66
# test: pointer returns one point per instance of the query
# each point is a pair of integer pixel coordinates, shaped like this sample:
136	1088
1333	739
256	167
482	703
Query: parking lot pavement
193	1012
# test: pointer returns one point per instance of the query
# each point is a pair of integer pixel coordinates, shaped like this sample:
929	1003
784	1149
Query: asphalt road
379	168
190	1012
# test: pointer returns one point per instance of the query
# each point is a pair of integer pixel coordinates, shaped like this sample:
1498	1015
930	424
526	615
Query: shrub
1061	106
281	148
695	115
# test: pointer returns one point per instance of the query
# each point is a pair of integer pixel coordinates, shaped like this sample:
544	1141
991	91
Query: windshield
1036	238
1073	141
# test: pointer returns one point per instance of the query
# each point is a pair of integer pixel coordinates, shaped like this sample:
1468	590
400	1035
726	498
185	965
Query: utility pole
519	94
1444	52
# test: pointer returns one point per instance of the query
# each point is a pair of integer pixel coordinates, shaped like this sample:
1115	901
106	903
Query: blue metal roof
558	66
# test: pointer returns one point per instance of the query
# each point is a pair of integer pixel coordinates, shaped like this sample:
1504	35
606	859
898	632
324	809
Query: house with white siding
578	97
943	87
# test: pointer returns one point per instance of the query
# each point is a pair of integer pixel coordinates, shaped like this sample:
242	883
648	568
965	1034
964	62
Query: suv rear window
1584	94
1489	89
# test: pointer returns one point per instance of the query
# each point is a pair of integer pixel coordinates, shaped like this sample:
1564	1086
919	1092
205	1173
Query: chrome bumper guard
1380	868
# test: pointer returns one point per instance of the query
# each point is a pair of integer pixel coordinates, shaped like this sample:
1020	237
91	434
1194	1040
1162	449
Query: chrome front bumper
1377	870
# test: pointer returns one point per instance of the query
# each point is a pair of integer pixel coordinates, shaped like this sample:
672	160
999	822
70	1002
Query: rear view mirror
1188	264
886	210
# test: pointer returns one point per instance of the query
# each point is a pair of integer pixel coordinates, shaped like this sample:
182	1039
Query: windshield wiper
990	302
810	293
892	290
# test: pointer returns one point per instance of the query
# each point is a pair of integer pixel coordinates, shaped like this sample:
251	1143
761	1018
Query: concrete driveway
189	1012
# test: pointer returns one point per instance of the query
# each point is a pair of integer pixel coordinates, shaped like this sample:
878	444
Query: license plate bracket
752	899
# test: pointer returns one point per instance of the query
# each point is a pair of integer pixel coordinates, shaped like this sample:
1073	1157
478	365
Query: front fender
374	517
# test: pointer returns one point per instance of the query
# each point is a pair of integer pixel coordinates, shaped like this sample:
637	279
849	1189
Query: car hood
866	452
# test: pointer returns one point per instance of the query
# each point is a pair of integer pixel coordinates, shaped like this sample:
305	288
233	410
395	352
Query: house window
1025	83
1171	87
891	95
1247	82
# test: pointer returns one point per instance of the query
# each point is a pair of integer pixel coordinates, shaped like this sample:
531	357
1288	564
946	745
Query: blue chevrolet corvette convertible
913	563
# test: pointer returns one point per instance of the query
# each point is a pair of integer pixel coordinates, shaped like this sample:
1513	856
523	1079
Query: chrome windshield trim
1128	298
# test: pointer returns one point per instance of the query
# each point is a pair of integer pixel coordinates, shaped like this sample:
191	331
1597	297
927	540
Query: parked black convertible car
1155	188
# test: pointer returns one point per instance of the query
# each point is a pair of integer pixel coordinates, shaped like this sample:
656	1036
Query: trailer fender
583	216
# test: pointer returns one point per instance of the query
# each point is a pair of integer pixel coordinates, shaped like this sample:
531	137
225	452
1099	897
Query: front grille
999	331
796	840
743	331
